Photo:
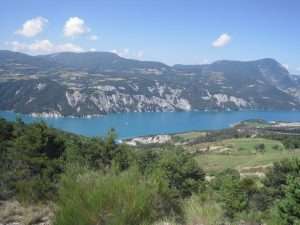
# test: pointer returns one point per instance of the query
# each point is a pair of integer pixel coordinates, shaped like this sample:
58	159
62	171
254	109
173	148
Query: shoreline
134	125
56	114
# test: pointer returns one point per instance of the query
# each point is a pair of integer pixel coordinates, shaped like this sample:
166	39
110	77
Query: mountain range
95	83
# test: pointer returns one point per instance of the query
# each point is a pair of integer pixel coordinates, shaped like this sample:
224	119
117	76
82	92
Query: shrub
147	160
36	157
289	206
181	172
276	177
233	198
199	211
110	199
217	182
260	147
99	153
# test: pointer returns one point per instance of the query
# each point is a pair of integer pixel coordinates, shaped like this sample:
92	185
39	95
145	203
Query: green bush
289	206
233	199
219	179
181	172
125	198
146	160
36	157
33	157
99	153
199	211
276	177
260	147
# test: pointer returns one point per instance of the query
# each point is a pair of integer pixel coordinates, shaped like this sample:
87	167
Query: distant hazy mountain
100	82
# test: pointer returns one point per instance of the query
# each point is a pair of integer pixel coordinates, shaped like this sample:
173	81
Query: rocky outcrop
69	84
157	139
14	213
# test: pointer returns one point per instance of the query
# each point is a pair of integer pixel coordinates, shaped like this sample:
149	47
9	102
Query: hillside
94	83
220	177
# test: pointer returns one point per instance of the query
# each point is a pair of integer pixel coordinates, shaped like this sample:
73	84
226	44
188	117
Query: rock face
13	213
157	139
81	84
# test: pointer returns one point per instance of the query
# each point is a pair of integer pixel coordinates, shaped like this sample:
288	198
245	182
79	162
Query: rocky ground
14	213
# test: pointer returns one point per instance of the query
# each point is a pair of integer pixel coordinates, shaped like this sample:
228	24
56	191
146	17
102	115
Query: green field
252	145
243	153
188	136
219	162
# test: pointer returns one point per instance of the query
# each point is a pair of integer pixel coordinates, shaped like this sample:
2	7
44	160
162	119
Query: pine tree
289	206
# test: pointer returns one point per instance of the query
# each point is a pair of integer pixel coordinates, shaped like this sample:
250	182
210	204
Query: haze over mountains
93	83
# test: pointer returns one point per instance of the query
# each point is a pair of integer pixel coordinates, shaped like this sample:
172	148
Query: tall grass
198	211
202	211
108	199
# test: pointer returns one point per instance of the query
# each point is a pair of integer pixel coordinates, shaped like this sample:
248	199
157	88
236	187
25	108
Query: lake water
139	124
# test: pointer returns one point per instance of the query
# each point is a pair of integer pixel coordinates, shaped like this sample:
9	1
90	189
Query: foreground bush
277	178
33	161
181	172
110	199
289	207
202	211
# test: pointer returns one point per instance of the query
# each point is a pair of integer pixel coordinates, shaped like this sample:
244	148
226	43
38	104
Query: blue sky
178	31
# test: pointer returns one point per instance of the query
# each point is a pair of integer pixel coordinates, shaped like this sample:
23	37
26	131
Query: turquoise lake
130	125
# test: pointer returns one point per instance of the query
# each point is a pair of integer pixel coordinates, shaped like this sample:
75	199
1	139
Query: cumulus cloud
44	47
75	26
221	41
32	27
126	53
68	47
93	37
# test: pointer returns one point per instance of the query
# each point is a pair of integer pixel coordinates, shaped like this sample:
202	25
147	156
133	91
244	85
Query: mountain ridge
93	83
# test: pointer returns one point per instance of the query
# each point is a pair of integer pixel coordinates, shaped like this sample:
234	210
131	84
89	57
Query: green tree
289	206
260	147
217	182
100	153
232	197
181	172
146	160
37	157
276	177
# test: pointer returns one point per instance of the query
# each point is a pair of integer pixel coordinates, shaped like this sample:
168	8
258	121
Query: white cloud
92	50
122	52
44	47
221	41
93	37
32	27
286	66
40	46
68	47
115	51
126	53
140	54
75	26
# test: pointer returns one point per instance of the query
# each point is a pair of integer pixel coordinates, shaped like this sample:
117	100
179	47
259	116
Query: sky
170	31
